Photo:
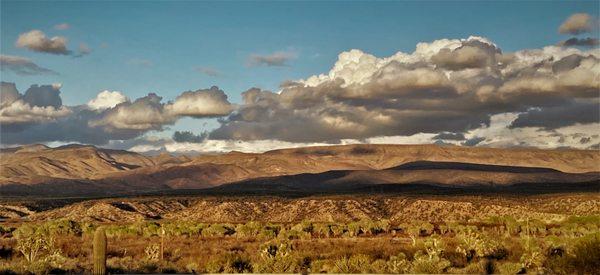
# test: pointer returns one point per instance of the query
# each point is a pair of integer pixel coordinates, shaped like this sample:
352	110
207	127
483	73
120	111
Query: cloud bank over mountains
39	116
449	91
448	85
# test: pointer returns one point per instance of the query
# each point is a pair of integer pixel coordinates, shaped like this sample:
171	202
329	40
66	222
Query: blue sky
156	46
177	37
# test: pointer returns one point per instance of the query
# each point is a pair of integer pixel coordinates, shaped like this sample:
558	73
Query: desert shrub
582	258
88	228
358	263
305	226
33	244
228	263
584	220
457	259
214	266
183	228
426	228
218	230
398	264
249	229
511	225
354	229
380	226
430	260
586	254
379	266
37	246
413	231
532	260
63	227
151	229
59	262
6	230
337	230
432	264
475	245
444	229
269	231
276	258
293	234
322	266
322	230
235	263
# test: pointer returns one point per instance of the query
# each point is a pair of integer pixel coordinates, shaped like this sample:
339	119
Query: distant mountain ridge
83	170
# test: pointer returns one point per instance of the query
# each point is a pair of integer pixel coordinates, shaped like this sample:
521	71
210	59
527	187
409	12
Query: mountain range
83	170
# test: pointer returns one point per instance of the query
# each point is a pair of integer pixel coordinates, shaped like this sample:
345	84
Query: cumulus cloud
22	66
201	103
465	57
37	41
43	96
145	113
38	104
448	85
459	91
578	23
8	93
582	42
39	116
276	59
106	100
149	113
62	26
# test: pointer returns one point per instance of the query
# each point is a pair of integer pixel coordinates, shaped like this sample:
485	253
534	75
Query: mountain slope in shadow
422	175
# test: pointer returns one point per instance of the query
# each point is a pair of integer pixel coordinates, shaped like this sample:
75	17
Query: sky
133	48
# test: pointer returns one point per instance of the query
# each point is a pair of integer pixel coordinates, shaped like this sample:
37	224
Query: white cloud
578	23
107	99
448	85
201	103
37	41
21	112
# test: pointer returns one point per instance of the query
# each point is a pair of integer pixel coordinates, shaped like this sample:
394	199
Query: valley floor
375	233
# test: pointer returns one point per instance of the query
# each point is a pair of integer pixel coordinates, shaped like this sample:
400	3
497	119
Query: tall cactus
99	255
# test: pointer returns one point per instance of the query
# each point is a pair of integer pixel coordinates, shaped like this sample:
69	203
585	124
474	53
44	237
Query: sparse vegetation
495	245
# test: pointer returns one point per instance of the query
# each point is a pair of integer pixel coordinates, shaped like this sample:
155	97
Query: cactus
99	253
